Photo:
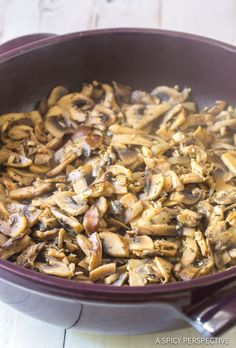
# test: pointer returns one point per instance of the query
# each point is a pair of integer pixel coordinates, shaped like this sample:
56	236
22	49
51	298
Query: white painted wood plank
76	339
21	18
3	5
212	18
31	333
127	13
66	16
7	322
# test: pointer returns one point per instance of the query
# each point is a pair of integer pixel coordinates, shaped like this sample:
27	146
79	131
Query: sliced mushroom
157	230
56	268
96	251
14	246
84	243
29	255
68	222
56	124
102	271
91	220
140	243
17	161
190	252
154	187
56	93
189	218
230	161
164	269
18	224
68	202
30	191
60	167
139	116
114	244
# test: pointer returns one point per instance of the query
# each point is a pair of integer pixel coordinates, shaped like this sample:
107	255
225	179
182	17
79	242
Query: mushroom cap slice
91	219
30	191
102	271
140	243
69	222
18	224
56	93
114	244
139	116
230	161
18	161
190	252
56	268
67	202
96	251
164	268
14	246
155	187
28	256
85	244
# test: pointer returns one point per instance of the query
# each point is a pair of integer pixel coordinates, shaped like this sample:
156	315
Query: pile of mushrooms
119	187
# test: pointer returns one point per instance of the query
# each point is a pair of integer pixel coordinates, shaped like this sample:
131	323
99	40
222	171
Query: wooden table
213	18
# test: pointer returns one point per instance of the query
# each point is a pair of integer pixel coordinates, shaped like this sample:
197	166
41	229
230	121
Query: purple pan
29	67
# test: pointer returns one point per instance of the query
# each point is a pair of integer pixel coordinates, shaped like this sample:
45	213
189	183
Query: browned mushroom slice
203	136
60	167
14	246
23	177
189	218
84	243
127	156
56	268
126	139
67	202
140	272
140	243
96	251
102	271
165	248
18	161
91	220
29	255
188	273
73	102
56	93
46	235
157	230
163	268
39	169
30	191
139	116
154	188
20	132
18	224
102	188
5	228
4	155
190	252
56	124
122	91
196	120
229	160
114	244
69	222
4	213
173	95
199	237
133	207
187	197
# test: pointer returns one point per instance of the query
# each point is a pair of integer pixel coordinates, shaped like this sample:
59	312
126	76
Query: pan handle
23	41
215	314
